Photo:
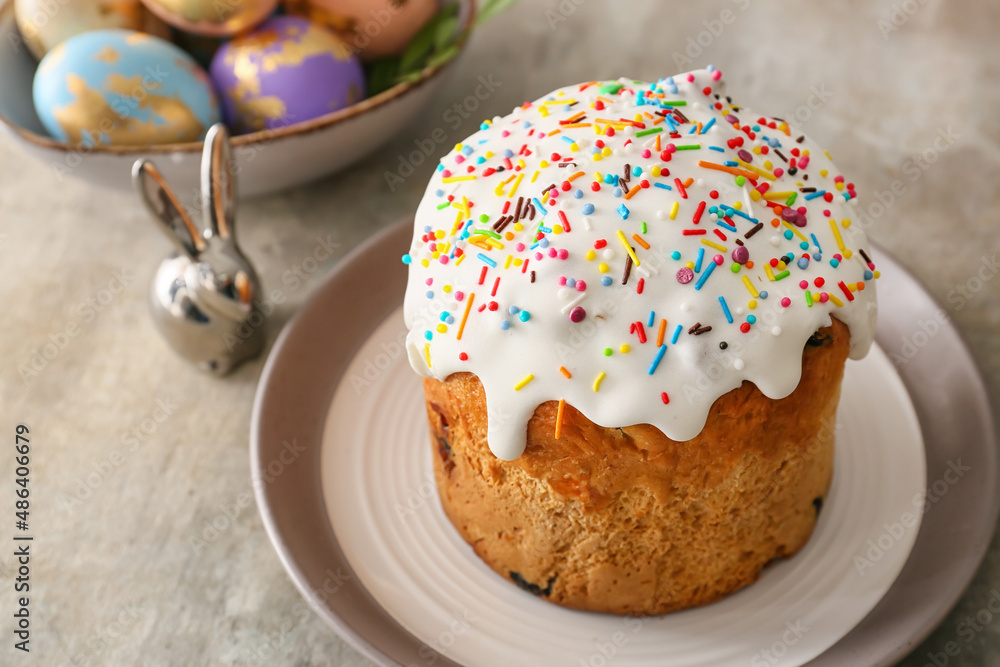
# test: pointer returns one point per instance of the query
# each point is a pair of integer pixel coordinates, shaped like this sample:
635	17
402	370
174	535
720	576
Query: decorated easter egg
374	28
288	71
214	18
44	24
122	87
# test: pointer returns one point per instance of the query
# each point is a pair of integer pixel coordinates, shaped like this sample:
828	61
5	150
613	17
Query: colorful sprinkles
710	198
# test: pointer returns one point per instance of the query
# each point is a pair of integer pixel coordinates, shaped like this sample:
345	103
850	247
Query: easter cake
632	304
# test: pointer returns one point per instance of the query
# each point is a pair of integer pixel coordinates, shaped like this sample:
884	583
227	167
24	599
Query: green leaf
434	44
408	78
443	56
381	75
423	43
451	9
445	33
491	8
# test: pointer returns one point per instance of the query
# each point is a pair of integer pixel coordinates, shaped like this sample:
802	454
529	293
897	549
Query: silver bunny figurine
203	295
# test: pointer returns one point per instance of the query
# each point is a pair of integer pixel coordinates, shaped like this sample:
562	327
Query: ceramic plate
357	512
378	484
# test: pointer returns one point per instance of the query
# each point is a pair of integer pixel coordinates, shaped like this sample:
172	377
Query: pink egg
212	19
374	28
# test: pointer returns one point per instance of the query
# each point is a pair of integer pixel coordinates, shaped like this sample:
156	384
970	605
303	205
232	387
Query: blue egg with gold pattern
123	88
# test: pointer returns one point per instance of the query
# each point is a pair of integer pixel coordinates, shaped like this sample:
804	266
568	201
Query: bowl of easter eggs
306	87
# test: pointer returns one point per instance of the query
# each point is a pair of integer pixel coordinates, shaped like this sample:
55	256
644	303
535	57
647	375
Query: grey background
127	568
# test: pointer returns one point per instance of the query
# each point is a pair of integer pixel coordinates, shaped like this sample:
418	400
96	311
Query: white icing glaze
693	371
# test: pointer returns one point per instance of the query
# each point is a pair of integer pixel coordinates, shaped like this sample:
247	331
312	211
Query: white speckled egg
44	23
121	87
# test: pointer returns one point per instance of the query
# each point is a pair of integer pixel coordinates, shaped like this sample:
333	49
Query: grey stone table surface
137	453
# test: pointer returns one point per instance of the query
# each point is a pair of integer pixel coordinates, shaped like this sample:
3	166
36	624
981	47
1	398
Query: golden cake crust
625	520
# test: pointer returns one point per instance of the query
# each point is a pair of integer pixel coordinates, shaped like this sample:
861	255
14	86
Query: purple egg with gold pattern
287	71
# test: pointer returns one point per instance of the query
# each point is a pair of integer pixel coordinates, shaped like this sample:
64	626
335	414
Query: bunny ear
218	183
166	209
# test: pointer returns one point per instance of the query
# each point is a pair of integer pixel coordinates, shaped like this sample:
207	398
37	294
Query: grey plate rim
310	355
